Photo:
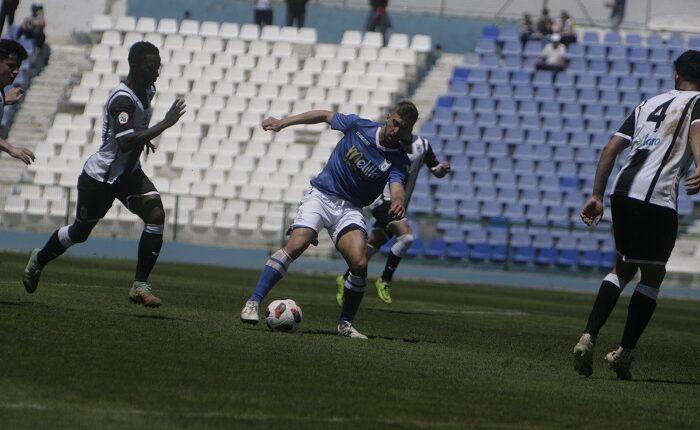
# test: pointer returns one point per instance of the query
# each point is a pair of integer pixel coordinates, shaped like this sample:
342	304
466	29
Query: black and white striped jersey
419	153
660	155
124	113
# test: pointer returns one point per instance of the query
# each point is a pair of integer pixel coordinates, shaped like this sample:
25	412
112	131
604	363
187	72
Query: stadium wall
454	34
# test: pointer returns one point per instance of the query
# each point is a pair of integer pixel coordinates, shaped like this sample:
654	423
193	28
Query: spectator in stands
187	15
617	13
33	26
8	10
553	56
565	26
263	12
527	29
544	23
378	19
296	11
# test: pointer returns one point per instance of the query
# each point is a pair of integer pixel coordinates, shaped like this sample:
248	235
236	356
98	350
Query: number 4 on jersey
659	114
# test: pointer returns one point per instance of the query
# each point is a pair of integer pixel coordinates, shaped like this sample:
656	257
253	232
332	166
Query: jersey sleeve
121	111
342	122
430	160
626	130
398	172
695	114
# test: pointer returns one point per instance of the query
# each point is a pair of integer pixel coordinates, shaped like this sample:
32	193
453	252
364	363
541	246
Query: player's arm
310	117
692	184
431	161
592	211
398	198
23	154
128	139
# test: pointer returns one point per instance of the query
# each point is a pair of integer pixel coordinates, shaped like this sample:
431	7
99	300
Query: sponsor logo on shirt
357	161
646	141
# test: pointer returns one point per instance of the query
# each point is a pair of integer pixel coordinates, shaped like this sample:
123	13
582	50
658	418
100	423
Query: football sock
149	249
398	250
57	244
608	294
274	270
354	291
392	262
639	312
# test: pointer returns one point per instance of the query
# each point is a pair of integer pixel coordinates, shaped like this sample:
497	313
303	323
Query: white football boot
583	355
619	361
348	330
249	314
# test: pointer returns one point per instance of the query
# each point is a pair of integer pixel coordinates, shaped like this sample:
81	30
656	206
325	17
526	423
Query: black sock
345	276
149	248
603	307
51	250
639	313
392	262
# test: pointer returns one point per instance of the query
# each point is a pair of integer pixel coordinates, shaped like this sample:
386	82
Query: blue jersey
359	167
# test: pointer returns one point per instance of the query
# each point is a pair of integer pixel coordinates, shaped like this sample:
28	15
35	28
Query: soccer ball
283	315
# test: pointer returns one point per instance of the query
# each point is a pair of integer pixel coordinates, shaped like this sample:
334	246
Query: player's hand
442	169
150	146
14	95
692	184
396	210
592	211
23	154
272	124
174	113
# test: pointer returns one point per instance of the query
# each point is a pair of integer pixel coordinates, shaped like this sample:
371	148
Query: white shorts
318	210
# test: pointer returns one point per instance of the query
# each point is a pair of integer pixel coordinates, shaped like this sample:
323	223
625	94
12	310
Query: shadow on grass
402	339
665	381
9	303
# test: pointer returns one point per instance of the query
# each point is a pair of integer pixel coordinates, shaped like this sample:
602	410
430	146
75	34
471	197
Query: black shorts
95	197
644	233
382	219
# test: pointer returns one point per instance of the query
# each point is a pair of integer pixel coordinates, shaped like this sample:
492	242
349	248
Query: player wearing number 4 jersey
663	134
114	172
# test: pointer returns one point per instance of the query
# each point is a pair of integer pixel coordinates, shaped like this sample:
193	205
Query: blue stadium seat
464	119
445	208
12	32
537	215
549	183
512	63
442	116
612	39
468	209
563	80
566	168
498	149
480	252
590	37
421	205
660	70
577	67
523	92
505	181
428	128
523	254
514	211
631	99
638	54
567	257
633	39
509	34
503	92
485	46
559	216
490	32
694	43
588	96
486	193
591	259
641	70
491	209
551	123
586	82
507	195
575	51
490	61
592	111
453	147
416	249
582	139
660	55
536	137
512	48
521	78
457	251
609	98
507	106
436	249
617	53
595	52
544	94
566	95
470	133
478	76
502	165
551	109
480	165
557	138
563	153
448	131
484	105
530	122
528	107
528	183
628	83
460	74
547	256
573	125
487	119
533	48
685	207
499	77
598	67
654	40
492	134
569	183
482	90
588	243
458	88
514	136
551	197
452	234
607	83
543	79
545	165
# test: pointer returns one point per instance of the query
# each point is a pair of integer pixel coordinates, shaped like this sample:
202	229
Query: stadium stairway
40	104
435	84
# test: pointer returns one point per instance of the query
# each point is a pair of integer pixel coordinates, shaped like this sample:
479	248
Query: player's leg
404	239
94	200
141	197
352	243
304	231
608	294
377	238
639	312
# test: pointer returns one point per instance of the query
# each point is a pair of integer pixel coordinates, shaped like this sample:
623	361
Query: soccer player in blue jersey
367	157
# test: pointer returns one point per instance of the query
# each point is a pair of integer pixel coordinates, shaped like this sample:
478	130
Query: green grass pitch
77	355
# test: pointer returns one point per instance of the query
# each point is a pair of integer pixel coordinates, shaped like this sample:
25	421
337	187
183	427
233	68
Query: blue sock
274	270
354	291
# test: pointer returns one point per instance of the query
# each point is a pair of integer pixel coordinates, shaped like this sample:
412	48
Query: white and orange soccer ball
283	315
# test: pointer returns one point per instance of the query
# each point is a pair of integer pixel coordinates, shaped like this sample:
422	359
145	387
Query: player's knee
359	266
652	275
79	232
154	213
402	244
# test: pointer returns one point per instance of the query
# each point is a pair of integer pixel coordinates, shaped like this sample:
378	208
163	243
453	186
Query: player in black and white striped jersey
114	172
664	135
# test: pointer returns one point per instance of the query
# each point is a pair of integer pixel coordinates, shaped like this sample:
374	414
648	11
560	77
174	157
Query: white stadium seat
351	38
189	27
307	35
111	38
421	43
125	23
288	34
101	23
229	30
372	39
167	26
398	40
146	24
209	29
249	32
270	33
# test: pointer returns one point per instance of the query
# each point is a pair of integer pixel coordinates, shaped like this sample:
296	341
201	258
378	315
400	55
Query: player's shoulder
121	96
